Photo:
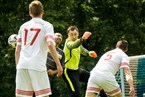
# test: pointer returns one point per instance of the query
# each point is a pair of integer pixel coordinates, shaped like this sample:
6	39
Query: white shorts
103	80
32	81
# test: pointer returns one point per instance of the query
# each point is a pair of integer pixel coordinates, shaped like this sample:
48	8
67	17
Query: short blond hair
35	8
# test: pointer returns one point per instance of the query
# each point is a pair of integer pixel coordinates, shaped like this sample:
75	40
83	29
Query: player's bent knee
90	94
117	95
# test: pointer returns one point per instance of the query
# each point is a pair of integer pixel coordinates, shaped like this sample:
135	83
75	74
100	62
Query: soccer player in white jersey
34	39
103	74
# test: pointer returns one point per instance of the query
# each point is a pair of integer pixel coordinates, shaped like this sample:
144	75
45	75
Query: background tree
108	20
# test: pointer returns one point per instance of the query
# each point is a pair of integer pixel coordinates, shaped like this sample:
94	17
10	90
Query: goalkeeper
73	49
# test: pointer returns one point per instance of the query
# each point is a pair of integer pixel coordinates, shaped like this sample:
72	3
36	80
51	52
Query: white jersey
33	36
112	61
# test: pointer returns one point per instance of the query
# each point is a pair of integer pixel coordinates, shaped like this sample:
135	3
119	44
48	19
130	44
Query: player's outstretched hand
59	70
132	92
92	54
86	35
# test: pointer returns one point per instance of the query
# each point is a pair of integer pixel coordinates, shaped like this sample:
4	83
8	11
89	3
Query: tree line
108	20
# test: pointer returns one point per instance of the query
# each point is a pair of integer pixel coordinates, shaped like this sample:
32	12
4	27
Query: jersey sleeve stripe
19	41
50	38
124	64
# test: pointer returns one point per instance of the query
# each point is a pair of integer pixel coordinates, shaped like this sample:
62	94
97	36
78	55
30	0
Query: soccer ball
12	40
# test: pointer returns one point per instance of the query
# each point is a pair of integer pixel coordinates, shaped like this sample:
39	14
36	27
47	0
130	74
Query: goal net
137	66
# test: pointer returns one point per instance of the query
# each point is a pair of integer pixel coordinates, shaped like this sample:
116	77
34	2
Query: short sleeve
125	61
49	33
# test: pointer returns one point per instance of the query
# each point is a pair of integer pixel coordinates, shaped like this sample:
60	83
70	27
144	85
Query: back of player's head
72	28
35	8
122	44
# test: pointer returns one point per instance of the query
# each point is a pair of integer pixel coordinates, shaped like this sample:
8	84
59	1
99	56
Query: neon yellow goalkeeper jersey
73	50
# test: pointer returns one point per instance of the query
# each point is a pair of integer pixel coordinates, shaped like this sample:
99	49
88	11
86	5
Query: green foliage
108	20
